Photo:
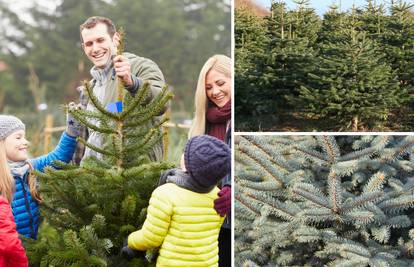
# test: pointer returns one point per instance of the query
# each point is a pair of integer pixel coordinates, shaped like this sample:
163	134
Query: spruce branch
267	150
362	201
335	191
311	193
143	133
375	183
78	116
330	147
96	103
95	148
247	203
263	163
399	204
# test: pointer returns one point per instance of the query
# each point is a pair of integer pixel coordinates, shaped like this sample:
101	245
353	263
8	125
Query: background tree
178	35
352	85
249	51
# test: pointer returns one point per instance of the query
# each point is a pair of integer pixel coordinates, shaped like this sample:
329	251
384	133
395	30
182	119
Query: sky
321	6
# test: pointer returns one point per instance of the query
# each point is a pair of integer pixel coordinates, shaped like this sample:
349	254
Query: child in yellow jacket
181	218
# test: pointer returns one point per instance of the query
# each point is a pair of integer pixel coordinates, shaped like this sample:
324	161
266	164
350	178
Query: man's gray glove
73	127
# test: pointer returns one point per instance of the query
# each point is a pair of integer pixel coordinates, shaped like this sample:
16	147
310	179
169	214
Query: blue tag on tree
115	107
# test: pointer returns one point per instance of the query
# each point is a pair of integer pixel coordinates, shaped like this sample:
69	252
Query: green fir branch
275	158
263	163
375	183
397	205
86	123
133	135
95	148
136	100
362	201
97	105
330	147
312	194
335	191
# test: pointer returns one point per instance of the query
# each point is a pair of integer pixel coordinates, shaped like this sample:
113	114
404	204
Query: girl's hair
33	186
6	179
220	63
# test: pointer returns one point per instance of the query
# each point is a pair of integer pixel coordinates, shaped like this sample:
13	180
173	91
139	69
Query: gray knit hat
8	125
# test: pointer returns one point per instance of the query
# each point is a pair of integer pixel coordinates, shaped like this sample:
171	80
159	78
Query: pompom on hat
9	124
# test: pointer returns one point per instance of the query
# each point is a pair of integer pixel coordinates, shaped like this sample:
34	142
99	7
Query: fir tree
305	22
290	56
324	201
95	206
353	84
398	41
373	19
249	52
333	23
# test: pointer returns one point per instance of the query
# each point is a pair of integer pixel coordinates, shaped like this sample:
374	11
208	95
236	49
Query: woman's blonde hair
220	63
6	179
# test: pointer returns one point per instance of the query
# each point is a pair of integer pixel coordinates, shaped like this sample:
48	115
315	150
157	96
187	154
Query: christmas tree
324	201
249	34
353	84
291	36
93	207
398	41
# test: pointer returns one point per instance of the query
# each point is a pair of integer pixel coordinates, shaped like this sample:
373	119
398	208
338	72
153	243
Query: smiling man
99	41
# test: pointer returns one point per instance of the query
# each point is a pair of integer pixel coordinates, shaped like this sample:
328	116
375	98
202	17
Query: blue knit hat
9	124
207	160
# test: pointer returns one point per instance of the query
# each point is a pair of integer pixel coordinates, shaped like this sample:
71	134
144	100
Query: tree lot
346	71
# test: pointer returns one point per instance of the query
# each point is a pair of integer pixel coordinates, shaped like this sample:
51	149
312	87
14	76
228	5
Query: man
99	40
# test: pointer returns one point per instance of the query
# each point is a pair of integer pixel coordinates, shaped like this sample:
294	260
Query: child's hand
73	128
223	204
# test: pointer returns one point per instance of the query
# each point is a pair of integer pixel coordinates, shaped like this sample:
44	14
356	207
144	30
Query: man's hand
223	203
123	70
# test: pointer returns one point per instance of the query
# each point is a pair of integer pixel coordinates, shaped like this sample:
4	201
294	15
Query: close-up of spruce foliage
345	71
91	208
324	201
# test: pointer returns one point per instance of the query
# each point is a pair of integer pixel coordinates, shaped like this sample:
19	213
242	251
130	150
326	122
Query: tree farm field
347	70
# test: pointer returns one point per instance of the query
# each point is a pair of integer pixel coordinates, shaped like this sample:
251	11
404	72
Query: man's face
98	45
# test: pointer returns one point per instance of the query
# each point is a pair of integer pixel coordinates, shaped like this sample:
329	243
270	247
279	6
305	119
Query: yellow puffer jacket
185	225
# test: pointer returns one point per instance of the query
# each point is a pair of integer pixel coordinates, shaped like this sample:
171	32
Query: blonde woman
11	250
213	117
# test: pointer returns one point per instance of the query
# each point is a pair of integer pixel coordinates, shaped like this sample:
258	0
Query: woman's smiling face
218	88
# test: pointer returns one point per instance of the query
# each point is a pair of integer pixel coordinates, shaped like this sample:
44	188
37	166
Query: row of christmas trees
355	67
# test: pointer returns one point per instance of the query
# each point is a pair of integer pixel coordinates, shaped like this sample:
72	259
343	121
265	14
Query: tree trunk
355	123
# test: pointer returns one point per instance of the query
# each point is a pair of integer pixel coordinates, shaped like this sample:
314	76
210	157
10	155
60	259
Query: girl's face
218	88
16	146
